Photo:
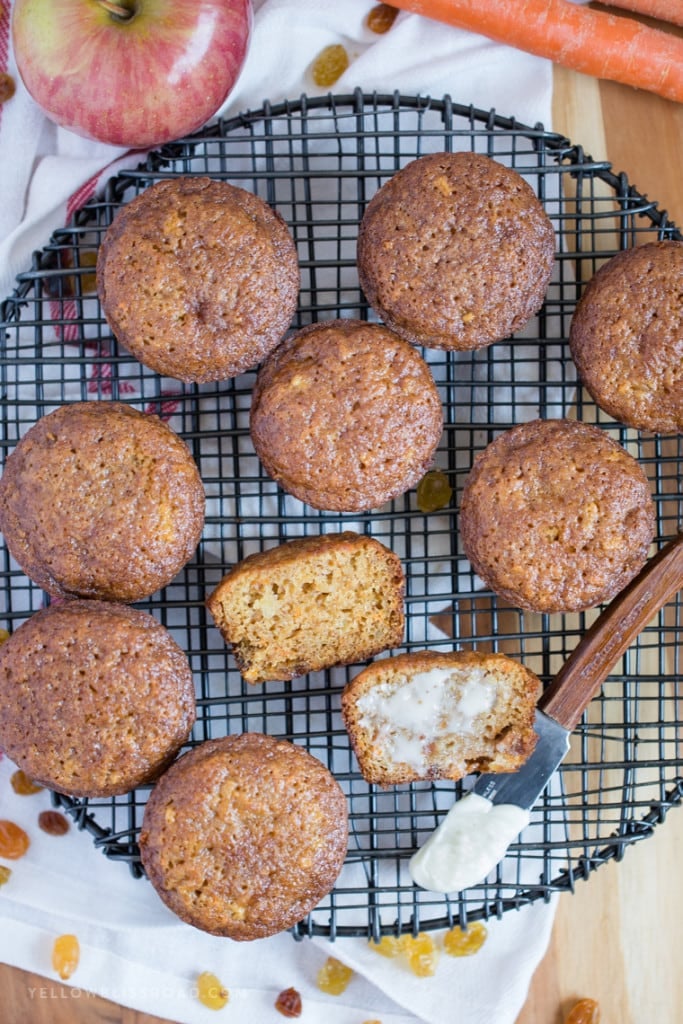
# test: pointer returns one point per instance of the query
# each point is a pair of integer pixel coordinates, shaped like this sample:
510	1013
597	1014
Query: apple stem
117	9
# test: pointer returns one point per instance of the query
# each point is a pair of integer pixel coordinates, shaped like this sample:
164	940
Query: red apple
133	73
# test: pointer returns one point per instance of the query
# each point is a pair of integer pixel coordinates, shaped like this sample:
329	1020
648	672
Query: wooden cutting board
617	938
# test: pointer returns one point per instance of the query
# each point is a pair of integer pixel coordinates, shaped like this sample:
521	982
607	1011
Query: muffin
198	279
95	698
244	835
455	251
556	516
345	415
99	500
310	604
429	715
626	337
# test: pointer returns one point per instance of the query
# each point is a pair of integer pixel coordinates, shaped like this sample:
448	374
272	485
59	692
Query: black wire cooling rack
318	161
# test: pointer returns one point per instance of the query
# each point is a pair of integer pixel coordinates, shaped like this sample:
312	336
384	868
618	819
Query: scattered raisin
586	1011
22	785
210	992
65	955
422	954
7	87
289	1003
433	491
334	977
388	946
381	18
88	281
5	874
461	942
329	65
54	823
13	840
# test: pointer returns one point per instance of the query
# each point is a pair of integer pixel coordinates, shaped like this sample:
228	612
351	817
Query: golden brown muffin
556	516
455	251
198	279
430	715
626	337
244	835
95	698
345	415
310	604
99	500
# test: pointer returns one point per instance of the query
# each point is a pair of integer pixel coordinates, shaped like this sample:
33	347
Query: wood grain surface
617	937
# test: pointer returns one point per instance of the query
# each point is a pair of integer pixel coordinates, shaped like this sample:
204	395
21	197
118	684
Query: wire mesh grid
317	161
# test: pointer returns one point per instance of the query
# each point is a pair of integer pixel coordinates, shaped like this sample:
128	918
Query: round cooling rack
318	161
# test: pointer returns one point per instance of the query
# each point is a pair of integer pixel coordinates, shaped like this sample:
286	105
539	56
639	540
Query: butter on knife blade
476	832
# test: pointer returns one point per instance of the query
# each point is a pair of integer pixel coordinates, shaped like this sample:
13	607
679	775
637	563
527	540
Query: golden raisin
381	18
22	785
7	87
65	955
5	874
388	946
4	635
422	955
461	942
88	281
54	823
586	1011
334	976
433	491
13	840
289	1003
329	65
210	992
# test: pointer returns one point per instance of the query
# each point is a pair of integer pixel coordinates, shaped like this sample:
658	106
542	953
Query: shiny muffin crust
345	415
99	500
455	251
244	835
95	698
556	516
198	279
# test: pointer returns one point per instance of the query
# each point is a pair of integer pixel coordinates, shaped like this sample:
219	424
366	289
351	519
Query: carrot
664	10
593	42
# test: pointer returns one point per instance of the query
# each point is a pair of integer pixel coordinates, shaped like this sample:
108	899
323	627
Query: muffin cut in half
310	604
430	715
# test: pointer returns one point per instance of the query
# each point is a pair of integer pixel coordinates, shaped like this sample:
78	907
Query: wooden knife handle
612	633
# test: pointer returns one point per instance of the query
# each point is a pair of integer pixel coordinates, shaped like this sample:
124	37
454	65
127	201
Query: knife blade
478	829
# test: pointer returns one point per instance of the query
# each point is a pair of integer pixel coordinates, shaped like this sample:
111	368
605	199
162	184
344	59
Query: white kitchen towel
133	950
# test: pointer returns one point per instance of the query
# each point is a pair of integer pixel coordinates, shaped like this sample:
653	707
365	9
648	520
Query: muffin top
626	337
455	251
100	500
95	698
198	278
345	415
244	835
556	516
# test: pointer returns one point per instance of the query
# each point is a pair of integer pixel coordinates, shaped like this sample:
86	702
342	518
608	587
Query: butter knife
477	831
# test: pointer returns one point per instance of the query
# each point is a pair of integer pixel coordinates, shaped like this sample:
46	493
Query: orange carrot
664	10
586	40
